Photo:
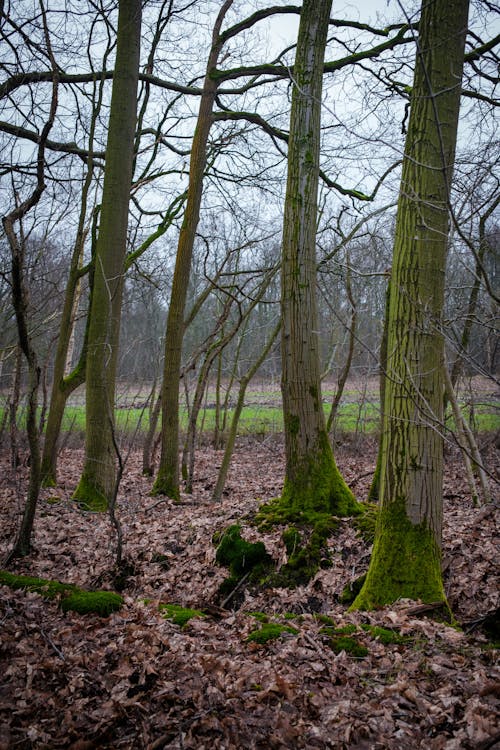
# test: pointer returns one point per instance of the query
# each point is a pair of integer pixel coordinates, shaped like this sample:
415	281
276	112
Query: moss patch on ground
99	602
270	631
344	638
366	522
260	616
351	646
179	615
246	560
307	551
385	635
348	637
72	598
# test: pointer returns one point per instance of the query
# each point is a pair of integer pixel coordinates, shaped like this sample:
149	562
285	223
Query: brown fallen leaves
135	680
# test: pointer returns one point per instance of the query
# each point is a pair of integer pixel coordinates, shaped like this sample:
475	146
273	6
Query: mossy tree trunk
406	558
374	491
97	482
312	480
167	480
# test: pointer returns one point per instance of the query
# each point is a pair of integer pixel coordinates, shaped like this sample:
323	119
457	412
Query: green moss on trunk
49	479
406	563
167	483
90	496
315	490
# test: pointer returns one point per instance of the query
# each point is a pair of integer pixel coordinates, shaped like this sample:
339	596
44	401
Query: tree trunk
374	491
406	558
62	385
20	303
344	374
167	480
312	480
96	486
13	408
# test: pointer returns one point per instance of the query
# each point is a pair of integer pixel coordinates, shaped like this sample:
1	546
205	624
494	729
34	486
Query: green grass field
257	419
254	419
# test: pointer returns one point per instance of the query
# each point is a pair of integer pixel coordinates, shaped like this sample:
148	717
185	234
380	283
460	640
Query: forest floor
137	680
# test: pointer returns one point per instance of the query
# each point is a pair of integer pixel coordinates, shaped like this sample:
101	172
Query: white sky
285	26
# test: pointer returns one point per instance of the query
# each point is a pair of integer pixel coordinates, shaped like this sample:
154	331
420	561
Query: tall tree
406	558
167	480
96	485
20	303
312	480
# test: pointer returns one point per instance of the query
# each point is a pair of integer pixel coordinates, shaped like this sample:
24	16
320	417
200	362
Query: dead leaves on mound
136	680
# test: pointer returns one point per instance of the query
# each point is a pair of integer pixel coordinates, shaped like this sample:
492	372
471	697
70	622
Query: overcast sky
284	27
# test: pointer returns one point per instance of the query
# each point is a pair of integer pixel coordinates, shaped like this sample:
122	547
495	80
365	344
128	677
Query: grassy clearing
263	415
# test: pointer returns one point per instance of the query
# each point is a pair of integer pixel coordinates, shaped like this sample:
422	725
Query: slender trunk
468	445
62	385
473	296
374	491
167	480
20	302
218	435
154	415
188	457
240	402
64	381
214	349
344	374
13	408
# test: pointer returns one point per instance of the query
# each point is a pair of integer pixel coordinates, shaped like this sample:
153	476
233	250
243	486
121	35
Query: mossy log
71	597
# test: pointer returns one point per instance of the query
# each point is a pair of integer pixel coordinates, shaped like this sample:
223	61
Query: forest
249	390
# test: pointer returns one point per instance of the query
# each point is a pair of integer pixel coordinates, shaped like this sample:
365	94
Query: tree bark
374	491
312	480
62	385
406	558
20	303
167	480
64	380
96	486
